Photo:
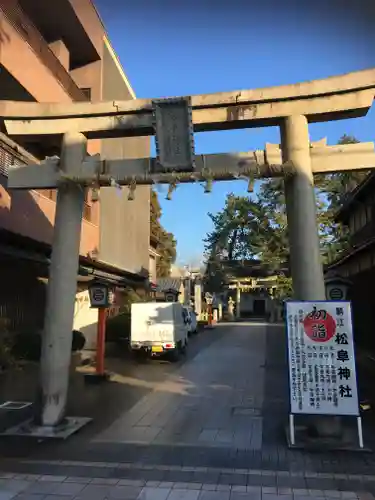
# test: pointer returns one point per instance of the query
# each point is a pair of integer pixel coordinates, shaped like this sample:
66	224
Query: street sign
322	371
174	138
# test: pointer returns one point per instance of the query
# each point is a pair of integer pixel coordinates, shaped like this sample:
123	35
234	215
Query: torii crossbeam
227	166
338	97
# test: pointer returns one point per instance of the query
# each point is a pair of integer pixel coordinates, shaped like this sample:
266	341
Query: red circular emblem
319	325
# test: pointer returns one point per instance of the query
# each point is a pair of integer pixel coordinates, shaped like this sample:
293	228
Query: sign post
101	297
322	370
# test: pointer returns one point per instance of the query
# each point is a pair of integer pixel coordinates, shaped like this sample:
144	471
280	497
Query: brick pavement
212	430
222	486
215	400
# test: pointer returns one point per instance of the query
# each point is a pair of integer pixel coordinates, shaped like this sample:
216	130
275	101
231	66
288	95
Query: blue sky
180	48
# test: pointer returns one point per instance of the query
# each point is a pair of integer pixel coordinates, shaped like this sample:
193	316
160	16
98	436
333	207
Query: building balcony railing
31	35
9	156
13	156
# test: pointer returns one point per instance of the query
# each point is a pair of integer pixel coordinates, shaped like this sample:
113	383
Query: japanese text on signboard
321	358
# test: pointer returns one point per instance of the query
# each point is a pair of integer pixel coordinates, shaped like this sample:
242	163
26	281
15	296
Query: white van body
158	328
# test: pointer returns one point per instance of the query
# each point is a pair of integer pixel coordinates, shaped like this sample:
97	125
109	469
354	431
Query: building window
87	92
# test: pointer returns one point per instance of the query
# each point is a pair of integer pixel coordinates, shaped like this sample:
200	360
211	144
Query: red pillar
209	307
100	343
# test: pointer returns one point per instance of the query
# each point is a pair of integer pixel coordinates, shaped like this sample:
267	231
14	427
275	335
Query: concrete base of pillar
69	426
304	440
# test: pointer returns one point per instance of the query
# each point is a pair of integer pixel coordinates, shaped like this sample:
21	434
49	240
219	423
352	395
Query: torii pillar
58	323
306	264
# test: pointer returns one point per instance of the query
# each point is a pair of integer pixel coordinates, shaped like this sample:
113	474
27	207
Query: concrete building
60	52
357	264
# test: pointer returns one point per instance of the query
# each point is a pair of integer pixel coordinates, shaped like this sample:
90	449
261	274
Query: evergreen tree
166	243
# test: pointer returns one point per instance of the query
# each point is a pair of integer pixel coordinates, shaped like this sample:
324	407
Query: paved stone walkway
211	431
51	487
215	400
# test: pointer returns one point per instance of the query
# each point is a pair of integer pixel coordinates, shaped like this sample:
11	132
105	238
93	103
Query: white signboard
322	372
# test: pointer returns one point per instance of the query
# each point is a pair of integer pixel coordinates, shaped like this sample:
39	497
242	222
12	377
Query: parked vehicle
158	329
192	323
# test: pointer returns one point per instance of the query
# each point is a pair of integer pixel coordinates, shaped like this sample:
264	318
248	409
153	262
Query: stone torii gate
291	107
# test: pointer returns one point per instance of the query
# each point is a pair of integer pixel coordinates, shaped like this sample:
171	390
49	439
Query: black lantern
171	295
101	294
337	287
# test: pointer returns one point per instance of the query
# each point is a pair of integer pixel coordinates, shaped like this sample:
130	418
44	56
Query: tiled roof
169	284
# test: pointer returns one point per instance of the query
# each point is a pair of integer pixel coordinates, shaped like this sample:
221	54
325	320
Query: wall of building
363	306
124	237
21	310
89	18
31	214
24	64
85	318
360	270
152	268
128	246
27	77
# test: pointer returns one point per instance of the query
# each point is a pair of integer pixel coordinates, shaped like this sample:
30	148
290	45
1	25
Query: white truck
158	328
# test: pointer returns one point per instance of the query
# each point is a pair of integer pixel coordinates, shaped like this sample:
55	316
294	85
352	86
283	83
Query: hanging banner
322	372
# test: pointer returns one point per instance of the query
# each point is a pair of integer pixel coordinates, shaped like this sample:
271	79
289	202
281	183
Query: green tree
257	228
166	243
336	187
